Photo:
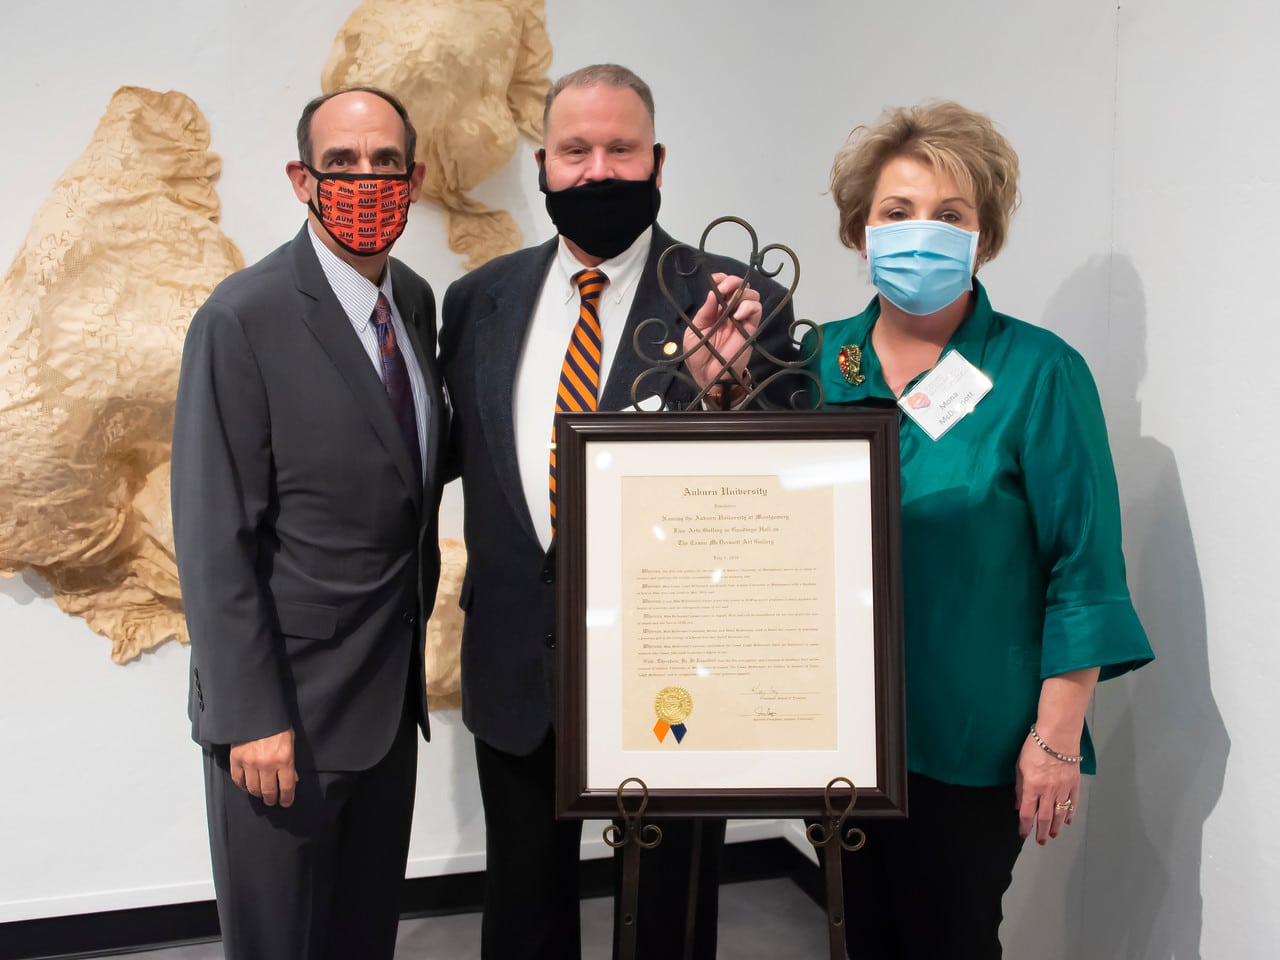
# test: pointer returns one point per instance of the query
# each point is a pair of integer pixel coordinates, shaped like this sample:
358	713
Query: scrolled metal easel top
778	375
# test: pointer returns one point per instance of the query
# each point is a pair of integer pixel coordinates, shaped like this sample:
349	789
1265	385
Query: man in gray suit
502	350
307	448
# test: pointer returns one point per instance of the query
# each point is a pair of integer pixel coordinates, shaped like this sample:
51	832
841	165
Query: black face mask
605	217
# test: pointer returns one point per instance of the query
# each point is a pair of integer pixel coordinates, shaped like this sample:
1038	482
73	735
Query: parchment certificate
730	629
728	626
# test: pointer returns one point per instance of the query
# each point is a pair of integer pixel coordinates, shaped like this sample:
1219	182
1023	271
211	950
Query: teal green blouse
1012	570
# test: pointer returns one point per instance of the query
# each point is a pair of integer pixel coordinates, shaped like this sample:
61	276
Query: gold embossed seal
673	704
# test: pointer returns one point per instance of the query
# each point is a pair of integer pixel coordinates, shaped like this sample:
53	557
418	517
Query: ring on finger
1064	805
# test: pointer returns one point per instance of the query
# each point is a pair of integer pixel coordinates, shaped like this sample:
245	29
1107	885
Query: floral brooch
850	360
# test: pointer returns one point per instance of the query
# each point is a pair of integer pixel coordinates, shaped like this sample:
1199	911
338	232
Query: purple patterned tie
395	377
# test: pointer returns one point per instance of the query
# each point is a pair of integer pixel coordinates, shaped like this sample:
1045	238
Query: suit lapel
499	338
329	324
413	320
430	381
649	302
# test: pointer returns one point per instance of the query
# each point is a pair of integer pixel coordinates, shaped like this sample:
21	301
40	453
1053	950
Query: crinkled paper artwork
93	312
473	75
92	316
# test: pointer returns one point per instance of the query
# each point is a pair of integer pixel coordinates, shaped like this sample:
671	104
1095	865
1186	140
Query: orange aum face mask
364	212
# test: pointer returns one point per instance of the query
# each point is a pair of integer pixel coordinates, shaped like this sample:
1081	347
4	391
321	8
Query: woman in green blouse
1013	580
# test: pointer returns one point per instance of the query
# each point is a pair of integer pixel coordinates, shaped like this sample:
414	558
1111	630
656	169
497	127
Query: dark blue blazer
509	634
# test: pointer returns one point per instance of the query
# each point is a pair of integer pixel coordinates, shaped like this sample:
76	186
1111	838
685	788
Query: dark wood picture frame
877	429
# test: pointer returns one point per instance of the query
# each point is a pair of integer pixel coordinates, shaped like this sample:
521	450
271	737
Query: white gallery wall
1147	139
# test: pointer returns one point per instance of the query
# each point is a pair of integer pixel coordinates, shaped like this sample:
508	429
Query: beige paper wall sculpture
92	316
444	630
93	312
472	74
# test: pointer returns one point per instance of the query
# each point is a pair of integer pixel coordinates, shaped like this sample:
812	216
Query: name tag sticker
945	395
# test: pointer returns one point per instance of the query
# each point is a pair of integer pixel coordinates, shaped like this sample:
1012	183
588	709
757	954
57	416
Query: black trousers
532	889
930	886
322	878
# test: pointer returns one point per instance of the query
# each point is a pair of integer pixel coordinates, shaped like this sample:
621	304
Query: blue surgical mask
921	266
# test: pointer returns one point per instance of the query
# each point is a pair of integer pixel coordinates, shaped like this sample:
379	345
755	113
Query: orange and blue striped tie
580	372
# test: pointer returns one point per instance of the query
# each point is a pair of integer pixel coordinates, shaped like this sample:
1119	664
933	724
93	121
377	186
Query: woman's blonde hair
945	137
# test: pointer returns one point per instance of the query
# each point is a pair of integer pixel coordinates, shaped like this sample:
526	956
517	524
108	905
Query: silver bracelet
1052	752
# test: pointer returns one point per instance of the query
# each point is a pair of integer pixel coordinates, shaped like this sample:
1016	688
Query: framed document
729	612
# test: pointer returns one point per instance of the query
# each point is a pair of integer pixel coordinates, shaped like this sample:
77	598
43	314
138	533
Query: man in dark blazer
503	343
309	431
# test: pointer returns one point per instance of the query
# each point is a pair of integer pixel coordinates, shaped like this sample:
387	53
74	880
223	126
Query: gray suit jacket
307	547
509	636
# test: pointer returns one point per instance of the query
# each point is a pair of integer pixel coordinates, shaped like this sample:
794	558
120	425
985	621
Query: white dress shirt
538	375
358	297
